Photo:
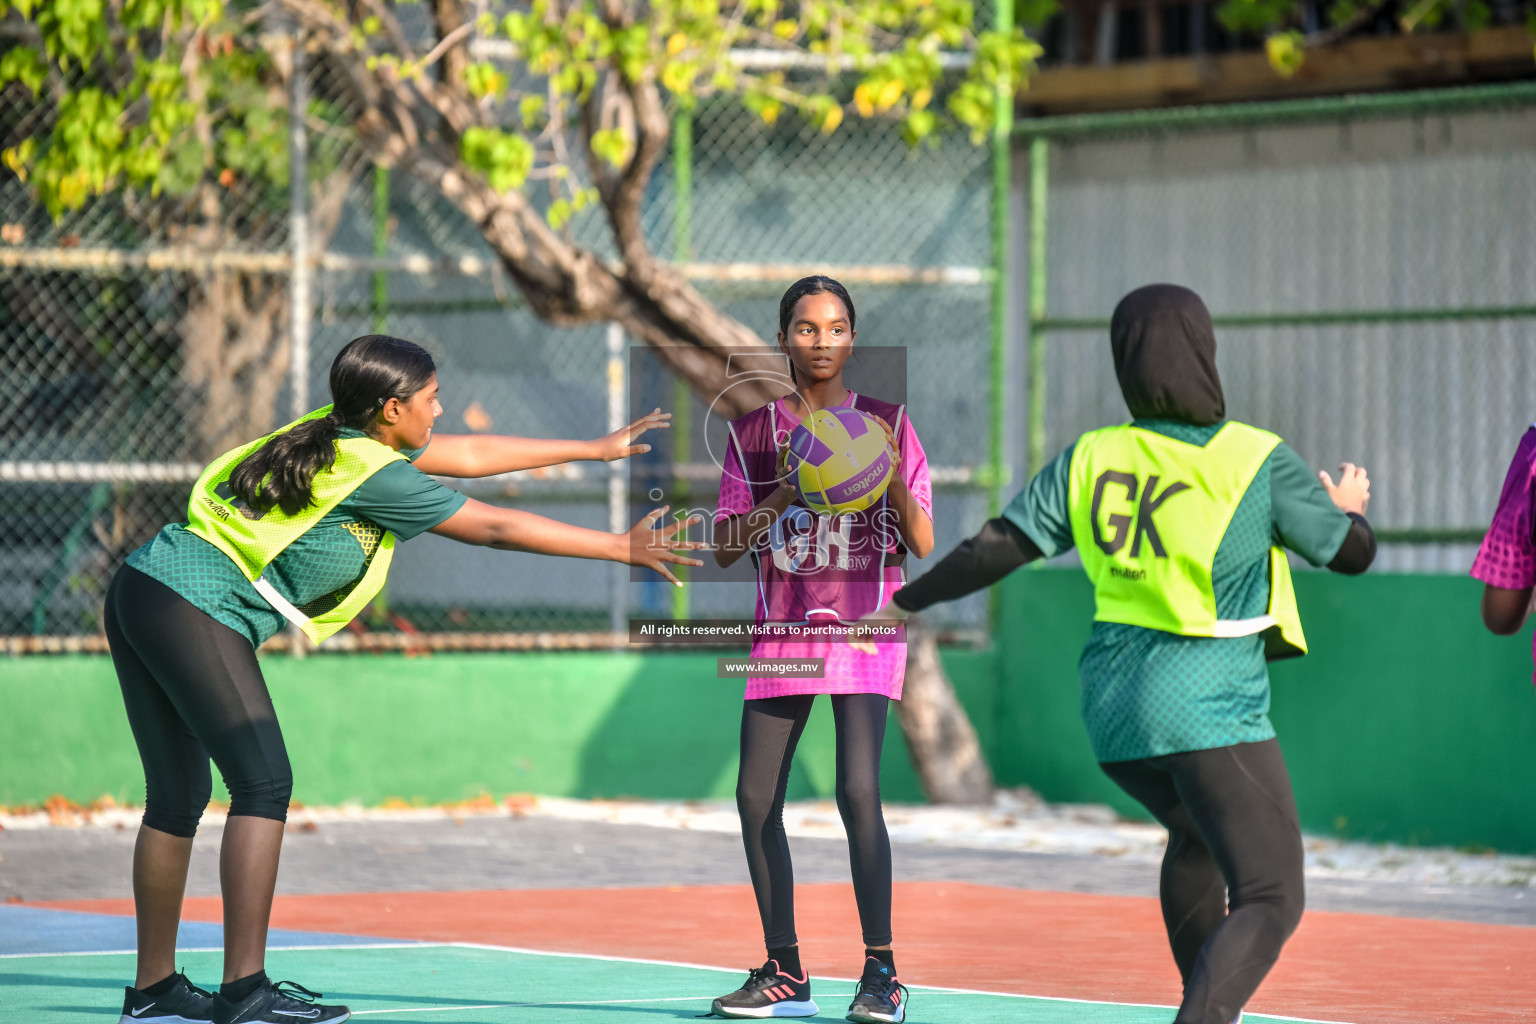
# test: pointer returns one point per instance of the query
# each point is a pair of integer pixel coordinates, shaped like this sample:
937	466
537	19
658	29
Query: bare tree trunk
414	122
235	347
940	738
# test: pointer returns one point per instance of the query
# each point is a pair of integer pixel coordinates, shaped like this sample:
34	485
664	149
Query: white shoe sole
870	1017
170	1018
788	1008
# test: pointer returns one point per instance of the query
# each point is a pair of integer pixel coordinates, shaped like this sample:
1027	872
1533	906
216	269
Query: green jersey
1146	692
330	556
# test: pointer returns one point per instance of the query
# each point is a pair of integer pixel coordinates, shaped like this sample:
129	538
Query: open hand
1353	491
653	548
620	444
859	638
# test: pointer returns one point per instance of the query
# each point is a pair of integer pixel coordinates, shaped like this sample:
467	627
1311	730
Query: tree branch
452	28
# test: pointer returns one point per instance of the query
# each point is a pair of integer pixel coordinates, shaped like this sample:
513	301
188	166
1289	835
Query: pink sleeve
1507	558
735	495
914	466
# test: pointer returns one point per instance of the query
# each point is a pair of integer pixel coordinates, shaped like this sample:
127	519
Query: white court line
220	949
521	1006
939	989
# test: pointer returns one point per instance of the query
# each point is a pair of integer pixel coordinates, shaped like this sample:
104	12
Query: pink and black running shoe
768	993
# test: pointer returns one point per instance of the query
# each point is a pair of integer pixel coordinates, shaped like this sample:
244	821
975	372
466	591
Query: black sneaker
768	993
282	1003
881	999
183	1004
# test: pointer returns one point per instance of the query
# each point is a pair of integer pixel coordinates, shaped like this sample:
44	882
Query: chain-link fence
1366	262
138	343
1368	266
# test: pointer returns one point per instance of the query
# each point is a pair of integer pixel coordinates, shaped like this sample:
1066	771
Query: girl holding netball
803	581
1179	517
299	525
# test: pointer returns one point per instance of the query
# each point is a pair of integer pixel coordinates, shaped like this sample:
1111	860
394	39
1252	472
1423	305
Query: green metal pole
1002	172
1329	317
682	252
380	246
378	608
1269	113
682	186
1039	167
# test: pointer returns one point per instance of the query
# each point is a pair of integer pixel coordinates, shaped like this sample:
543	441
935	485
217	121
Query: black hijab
1165	356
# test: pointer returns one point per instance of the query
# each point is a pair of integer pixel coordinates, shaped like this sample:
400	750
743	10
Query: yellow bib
252	540
1148	513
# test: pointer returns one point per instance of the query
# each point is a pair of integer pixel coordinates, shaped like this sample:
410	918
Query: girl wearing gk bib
1179	518
299	525
814	567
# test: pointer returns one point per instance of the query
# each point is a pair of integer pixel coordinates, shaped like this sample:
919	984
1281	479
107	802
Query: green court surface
462	984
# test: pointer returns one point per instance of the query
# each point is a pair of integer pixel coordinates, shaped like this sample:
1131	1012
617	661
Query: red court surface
1339	967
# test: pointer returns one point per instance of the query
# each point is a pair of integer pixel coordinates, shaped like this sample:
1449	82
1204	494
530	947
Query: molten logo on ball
839	460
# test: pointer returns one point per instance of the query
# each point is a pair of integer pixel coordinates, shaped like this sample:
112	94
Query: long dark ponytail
367	373
817	284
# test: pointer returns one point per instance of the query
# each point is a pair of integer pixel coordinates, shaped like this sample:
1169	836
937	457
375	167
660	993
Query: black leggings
1232	887
770	729
193	688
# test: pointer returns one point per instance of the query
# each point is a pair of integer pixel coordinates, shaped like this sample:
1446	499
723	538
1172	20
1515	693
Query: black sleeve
977	562
1358	550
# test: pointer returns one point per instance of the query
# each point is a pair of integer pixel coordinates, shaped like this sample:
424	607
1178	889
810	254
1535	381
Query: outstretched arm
477	455
511	529
977	562
1352	496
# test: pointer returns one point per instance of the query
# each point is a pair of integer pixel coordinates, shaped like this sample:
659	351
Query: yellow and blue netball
839	460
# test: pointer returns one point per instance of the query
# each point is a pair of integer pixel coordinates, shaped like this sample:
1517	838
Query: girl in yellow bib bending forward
299	526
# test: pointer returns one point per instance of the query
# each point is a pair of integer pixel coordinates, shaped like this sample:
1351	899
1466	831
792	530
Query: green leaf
612	145
1286	52
484	80
917	126
19	157
24	65
559	214
530	109
504	159
1254	15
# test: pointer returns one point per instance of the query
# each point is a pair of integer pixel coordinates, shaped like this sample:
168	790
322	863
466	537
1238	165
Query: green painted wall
447	727
1407	721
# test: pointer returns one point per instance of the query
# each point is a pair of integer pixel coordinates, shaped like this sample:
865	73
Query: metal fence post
1039	167
380	246
301	305
682	252
1002	172
1002	142
617	518
378	608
